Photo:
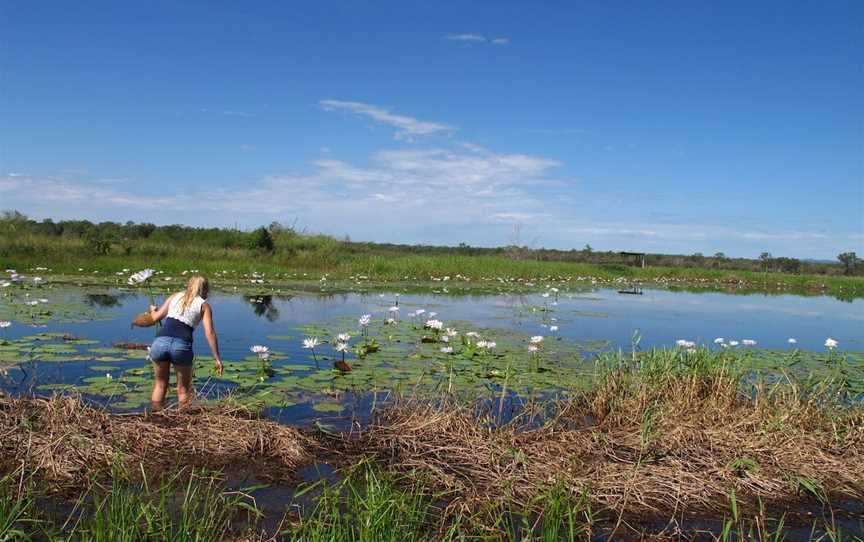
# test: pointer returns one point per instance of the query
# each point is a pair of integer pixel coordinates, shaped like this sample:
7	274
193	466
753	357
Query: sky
675	126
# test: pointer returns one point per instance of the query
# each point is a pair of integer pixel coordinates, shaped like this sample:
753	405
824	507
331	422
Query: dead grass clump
679	446
65	442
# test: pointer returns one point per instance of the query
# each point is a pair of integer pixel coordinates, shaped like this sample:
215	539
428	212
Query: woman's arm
159	314
210	333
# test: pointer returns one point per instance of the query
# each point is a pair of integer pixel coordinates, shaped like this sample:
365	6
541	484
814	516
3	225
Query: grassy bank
664	445
314	258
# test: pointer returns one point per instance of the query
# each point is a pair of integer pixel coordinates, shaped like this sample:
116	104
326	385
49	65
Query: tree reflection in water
262	305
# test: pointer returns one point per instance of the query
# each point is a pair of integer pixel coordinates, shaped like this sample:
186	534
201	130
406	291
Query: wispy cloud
231	113
469	38
408	128
476	38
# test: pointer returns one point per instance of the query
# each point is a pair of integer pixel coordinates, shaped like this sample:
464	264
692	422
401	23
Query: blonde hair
197	286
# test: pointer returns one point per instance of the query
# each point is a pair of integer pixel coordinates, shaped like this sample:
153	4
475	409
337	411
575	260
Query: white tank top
191	316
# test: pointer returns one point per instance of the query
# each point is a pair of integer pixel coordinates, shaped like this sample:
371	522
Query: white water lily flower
450	332
341	347
532	348
719	340
446	350
682	343
259	349
792	340
5	324
364	320
31	303
418	312
473	334
42	300
537	339
5	284
482	344
545	294
141	277
343	337
390	321
394	308
733	343
553	328
830	343
435	324
433	314
108	376
748	342
311	342
38	280
490	345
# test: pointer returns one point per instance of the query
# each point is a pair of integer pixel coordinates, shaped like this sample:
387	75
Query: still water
303	386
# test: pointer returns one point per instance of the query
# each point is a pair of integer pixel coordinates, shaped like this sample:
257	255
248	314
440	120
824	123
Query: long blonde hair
197	286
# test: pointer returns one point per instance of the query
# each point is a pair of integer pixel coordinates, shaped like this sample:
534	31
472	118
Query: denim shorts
177	351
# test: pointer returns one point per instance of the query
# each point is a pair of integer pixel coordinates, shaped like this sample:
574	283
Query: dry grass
646	448
65	443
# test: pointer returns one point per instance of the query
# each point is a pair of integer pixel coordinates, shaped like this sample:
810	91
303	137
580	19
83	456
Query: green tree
261	240
849	261
766	259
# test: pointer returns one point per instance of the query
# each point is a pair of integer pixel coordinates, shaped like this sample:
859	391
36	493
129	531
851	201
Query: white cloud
469	38
466	38
407	127
231	113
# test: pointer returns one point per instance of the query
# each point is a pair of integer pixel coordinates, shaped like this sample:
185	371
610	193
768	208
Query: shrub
261	240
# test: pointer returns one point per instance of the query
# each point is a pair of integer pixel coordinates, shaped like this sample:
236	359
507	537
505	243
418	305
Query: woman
182	312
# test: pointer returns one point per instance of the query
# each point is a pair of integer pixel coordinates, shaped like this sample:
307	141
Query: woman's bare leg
185	393
161	373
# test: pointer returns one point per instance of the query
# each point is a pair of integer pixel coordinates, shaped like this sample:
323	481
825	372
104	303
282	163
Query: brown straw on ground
683	449
65	442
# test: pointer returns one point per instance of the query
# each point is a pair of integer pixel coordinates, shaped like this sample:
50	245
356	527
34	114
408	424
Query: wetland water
67	340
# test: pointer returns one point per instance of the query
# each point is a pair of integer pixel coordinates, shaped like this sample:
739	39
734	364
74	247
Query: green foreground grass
314	257
365	506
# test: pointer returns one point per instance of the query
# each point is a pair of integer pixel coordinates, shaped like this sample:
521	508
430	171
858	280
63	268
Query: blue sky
669	126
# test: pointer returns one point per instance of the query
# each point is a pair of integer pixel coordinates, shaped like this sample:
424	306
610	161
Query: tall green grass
319	255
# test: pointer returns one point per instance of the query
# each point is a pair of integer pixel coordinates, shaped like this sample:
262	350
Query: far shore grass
235	266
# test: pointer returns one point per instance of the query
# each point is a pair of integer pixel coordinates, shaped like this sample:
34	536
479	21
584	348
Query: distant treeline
105	238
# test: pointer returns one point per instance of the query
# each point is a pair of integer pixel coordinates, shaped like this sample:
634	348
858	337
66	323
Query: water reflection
263	305
105	301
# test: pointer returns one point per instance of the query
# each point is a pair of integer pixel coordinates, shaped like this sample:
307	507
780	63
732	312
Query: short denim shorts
177	351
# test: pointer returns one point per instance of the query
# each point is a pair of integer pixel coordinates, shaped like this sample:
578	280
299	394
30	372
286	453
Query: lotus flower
364	320
343	337
311	342
341	347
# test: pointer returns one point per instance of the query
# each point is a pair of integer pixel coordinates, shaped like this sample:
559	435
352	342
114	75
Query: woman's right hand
219	367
